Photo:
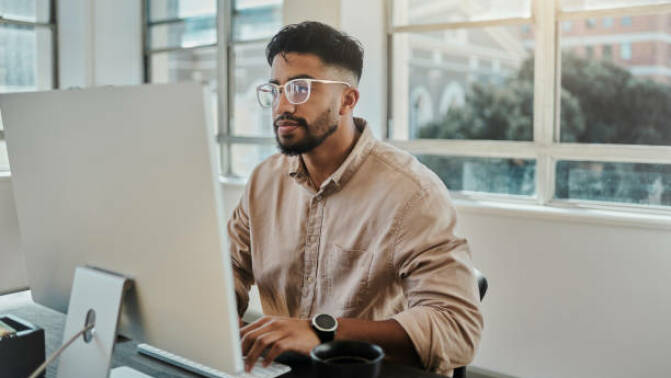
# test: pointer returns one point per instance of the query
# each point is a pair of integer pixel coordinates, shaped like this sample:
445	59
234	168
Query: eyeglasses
297	91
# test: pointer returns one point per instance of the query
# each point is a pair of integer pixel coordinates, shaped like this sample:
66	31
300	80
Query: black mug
347	359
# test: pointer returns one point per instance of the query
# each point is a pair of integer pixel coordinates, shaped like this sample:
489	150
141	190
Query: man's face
301	128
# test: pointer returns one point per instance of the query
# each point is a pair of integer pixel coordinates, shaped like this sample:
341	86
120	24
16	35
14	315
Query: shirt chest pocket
346	275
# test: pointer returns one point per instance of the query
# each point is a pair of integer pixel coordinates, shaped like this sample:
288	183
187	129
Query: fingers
250	335
276	335
257	324
260	344
278	348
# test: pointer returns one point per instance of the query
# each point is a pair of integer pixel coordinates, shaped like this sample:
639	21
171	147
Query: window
600	135
567	26
184	43
607	52
608	22
27	51
181	44
625	51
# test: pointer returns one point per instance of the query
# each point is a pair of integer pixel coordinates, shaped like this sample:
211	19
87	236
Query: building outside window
27	52
599	137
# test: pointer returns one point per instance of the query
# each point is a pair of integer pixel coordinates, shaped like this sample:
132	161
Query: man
346	226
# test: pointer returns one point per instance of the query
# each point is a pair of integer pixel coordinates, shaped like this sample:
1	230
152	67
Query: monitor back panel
124	179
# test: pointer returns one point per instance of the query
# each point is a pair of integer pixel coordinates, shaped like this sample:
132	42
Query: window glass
186	28
25	10
407	12
617	98
256	19
643	184
171	9
251	70
464	84
26	64
501	176
188	33
25	58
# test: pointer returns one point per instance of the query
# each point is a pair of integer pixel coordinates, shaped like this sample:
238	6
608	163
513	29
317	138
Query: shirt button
309	279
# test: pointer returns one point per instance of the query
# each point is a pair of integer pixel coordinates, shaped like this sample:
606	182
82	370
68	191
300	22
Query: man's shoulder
405	168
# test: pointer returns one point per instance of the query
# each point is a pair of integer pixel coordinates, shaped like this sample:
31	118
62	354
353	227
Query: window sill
589	214
566	213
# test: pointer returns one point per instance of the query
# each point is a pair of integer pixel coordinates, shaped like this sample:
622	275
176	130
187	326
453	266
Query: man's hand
276	335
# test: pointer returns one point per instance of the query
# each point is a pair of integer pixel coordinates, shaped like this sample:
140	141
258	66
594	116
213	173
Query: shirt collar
351	164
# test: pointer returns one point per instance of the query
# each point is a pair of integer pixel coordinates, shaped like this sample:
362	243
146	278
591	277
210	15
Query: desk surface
125	354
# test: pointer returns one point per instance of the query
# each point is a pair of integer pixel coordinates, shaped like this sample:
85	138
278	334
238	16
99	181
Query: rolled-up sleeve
443	317
240	251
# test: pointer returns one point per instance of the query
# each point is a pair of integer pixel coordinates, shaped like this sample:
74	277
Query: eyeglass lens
297	92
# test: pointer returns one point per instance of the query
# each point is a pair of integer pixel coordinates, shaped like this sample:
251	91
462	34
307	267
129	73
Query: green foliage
600	103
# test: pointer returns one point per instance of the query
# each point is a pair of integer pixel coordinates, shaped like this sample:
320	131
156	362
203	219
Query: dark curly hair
333	47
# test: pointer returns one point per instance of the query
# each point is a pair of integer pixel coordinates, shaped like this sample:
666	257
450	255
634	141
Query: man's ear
349	99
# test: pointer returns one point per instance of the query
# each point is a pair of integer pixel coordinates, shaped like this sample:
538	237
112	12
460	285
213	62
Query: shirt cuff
418	323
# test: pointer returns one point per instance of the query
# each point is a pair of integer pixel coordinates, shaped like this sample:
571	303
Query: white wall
572	299
100	42
326	11
372	35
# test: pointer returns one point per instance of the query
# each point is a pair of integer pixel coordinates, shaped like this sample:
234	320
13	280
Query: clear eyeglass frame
297	91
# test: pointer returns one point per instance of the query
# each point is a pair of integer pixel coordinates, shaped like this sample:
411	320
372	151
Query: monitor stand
96	298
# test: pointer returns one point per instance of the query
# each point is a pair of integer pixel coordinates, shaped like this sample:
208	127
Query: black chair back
460	372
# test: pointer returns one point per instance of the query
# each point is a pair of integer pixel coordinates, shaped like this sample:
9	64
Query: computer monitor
125	179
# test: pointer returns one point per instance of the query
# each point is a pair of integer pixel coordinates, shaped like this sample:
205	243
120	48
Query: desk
125	354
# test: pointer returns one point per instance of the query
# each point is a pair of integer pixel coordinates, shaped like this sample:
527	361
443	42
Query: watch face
325	322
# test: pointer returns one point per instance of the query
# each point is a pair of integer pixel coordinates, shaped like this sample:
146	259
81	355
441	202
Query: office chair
460	372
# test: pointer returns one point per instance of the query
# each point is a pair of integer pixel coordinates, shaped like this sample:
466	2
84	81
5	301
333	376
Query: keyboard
273	370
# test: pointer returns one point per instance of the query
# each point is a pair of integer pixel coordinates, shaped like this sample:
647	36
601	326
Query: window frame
52	25
225	48
546	149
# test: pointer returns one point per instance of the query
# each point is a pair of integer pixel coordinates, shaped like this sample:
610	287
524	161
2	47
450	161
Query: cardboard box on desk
23	351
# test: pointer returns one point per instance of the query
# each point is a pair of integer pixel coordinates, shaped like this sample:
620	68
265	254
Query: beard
315	134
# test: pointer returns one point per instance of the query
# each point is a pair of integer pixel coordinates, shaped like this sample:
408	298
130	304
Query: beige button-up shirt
376	242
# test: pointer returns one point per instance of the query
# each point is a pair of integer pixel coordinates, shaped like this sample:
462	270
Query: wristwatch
325	327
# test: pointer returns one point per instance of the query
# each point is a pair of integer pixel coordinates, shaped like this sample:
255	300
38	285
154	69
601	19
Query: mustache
288	117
